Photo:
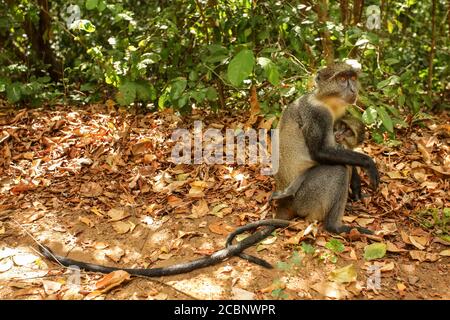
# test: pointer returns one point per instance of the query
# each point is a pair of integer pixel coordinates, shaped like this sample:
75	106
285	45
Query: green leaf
369	115
377	137
145	91
211	94
91	4
3	82
401	100
374	251
85	25
241	67
307	248
391	61
445	237
217	54
14	92
270	69
273	75
279	293
296	258
385	119
127	93
361	42
283	265
199	96
335	245
182	101
101	5
346	274
177	88
390	26
89	86
162	100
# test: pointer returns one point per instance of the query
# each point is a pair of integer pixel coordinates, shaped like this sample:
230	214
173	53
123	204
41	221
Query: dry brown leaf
97	211
112	280
274	286
115	254
393	248
349	219
174	201
201	209
87	221
165	256
396	175
23	259
6	264
220	209
142	147
100	245
241	294
36	216
441	169
22	187
445	253
266	123
424	151
73	293
91	189
122	227
331	289
117	214
401	288
364	222
423	256
220	227
51	287
197	188
419	242
405	237
255	108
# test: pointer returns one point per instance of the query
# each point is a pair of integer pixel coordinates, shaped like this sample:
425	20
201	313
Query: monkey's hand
276	195
373	174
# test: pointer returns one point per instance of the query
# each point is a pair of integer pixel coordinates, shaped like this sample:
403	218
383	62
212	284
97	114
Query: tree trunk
358	6
321	9
40	42
345	12
432	50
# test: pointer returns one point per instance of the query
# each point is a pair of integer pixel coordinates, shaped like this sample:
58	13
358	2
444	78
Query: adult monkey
349	133
308	151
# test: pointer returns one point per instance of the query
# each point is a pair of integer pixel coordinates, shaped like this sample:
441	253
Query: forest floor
96	184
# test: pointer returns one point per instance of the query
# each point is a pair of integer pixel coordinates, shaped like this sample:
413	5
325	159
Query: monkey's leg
284	209
333	220
355	185
290	190
323	197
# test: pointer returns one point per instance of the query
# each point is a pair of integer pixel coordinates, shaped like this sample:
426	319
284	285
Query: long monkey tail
218	256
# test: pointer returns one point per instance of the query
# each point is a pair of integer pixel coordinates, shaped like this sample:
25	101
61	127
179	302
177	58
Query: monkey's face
339	81
348	83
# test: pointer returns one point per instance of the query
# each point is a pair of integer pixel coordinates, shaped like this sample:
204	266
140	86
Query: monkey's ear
324	74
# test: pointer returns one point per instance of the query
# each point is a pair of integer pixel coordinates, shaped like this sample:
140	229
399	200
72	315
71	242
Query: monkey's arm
317	140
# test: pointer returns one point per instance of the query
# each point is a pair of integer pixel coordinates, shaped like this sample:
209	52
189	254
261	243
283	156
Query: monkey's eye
353	78
342	78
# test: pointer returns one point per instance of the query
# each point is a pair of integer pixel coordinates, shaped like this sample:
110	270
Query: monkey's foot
347	229
358	197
